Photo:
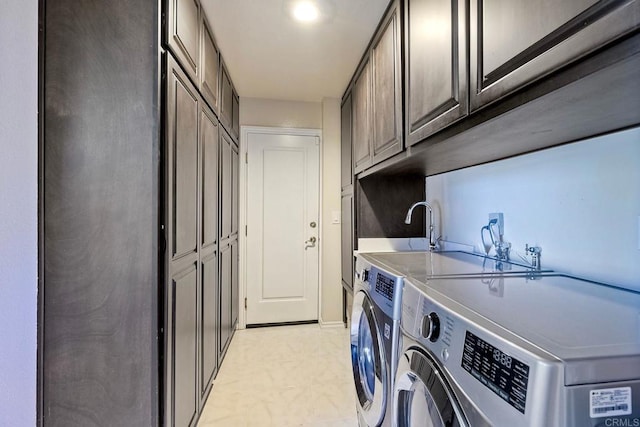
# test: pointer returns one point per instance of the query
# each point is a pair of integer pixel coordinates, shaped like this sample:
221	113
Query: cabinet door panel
234	284
347	240
514	43
210	67
361	119
209	185
226	98
522	24
436	90
183	152
226	188
346	164
225	299
184	34
184	346
236	114
235	188
386	90
209	329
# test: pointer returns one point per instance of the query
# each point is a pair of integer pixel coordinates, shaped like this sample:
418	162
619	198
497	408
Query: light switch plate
335	217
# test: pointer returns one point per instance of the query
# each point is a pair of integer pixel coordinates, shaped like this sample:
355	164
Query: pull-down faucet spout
432	242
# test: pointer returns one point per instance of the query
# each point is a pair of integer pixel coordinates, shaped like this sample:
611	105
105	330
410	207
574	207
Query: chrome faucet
432	243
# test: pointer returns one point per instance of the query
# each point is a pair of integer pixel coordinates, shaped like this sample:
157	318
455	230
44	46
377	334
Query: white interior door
282	227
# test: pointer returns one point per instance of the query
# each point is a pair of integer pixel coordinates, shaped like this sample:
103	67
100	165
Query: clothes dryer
551	352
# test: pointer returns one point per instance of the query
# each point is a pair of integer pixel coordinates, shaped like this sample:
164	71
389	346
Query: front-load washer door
367	359
422	397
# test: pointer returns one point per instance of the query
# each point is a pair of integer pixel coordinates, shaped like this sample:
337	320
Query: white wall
580	202
313	115
331	186
18	211
286	114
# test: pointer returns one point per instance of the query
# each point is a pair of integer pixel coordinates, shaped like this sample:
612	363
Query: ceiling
270	55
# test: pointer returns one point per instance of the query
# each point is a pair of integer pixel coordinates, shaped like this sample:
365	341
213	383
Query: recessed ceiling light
305	11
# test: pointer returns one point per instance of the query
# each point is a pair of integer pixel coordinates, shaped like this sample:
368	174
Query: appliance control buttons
431	327
445	354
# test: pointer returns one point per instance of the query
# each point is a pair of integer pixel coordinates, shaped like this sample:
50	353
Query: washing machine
514	351
375	336
374	339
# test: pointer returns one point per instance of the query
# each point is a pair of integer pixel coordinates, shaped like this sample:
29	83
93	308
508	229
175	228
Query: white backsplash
579	202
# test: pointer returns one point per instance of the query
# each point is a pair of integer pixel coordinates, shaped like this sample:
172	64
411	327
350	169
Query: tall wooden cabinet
208	250
183	225
229	256
134	315
201	198
100	236
347	229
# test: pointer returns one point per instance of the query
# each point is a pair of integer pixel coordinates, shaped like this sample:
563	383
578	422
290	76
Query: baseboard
334	324
269	325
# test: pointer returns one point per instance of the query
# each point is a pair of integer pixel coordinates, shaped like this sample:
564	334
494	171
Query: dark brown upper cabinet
183	35
515	42
235	126
226	97
210	66
362	118
386	88
436	66
346	165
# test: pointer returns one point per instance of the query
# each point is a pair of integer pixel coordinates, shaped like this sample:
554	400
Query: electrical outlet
499	217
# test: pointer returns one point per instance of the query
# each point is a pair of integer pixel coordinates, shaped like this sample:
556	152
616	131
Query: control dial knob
431	326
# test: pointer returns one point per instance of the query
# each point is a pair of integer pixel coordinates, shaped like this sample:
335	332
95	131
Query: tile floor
284	376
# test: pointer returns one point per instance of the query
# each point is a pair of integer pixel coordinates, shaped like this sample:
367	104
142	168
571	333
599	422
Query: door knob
310	243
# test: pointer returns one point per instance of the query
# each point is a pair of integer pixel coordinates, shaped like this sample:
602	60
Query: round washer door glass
367	360
421	397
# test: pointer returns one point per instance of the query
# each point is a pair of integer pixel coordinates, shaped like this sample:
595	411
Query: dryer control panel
501	373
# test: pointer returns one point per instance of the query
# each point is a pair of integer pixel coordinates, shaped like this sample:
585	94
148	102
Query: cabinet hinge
246	158
245	303
245	230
